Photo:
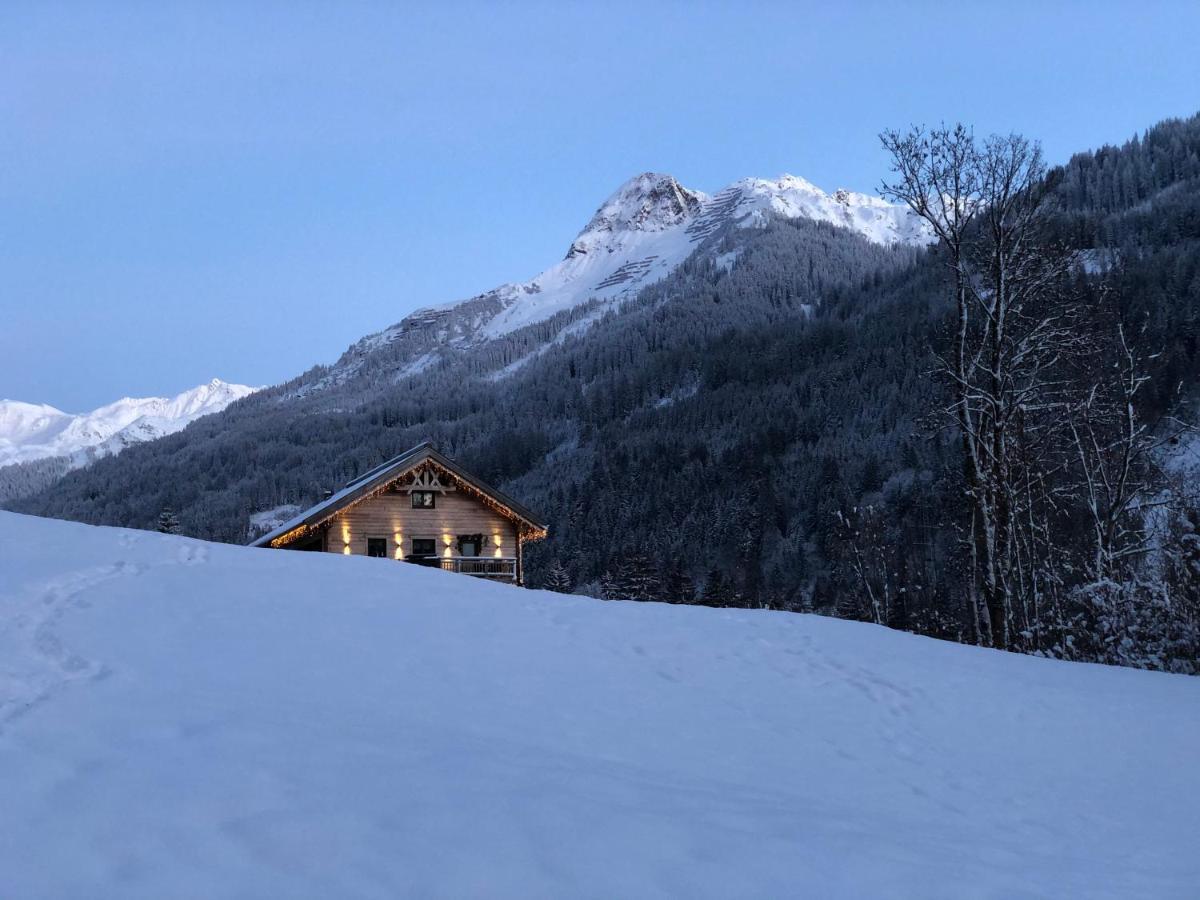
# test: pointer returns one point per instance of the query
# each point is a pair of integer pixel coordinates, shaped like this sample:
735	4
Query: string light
525	531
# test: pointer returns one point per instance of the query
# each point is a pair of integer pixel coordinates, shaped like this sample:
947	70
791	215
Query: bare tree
863	550
1117	461
986	205
937	176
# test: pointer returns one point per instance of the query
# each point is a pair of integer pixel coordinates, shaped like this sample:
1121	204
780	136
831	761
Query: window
377	547
424	499
424	547
468	544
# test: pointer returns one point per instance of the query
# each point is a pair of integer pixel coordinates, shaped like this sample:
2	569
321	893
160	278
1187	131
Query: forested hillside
761	428
657	407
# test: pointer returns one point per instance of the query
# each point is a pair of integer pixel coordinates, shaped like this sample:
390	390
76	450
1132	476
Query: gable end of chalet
419	507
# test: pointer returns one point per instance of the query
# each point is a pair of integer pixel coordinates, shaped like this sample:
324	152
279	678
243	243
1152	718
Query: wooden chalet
420	507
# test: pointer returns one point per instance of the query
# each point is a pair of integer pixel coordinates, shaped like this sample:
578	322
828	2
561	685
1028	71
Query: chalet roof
377	477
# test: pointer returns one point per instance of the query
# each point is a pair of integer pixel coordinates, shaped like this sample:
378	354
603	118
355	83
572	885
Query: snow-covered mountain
641	233
31	431
188	719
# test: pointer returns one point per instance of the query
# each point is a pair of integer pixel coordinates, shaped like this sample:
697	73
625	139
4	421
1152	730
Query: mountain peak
651	201
640	234
796	183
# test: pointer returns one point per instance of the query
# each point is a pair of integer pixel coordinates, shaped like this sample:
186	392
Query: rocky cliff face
648	202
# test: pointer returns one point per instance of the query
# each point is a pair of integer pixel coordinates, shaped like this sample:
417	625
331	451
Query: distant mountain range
31	432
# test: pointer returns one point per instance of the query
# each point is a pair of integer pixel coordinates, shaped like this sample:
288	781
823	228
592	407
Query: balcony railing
482	566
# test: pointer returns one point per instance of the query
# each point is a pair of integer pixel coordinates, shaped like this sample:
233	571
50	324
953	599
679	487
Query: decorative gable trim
427	480
433	472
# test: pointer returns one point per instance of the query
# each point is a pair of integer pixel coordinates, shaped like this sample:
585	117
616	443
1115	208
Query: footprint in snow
192	555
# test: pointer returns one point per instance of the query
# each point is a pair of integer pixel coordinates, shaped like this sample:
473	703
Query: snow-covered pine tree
168	522
678	586
633	578
717	591
612	587
642	578
558	579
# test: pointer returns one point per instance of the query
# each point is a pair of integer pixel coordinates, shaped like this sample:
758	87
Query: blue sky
242	190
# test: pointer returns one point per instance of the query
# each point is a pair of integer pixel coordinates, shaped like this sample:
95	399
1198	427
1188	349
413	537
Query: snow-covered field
181	719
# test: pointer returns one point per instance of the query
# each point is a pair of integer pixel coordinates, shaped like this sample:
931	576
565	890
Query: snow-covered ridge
641	233
31	431
873	217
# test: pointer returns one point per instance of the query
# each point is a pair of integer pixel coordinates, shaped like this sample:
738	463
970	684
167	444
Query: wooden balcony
503	568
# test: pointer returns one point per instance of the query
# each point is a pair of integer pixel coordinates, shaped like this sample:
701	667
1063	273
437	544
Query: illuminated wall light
346	550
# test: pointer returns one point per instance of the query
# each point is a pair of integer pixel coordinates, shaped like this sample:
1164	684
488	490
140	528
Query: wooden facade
422	508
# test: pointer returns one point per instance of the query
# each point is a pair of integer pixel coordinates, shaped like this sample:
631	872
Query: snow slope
181	719
641	233
35	431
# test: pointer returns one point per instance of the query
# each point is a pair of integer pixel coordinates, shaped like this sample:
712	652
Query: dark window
424	499
376	546
468	545
424	547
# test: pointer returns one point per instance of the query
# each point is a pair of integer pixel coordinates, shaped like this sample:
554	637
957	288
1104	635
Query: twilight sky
242	190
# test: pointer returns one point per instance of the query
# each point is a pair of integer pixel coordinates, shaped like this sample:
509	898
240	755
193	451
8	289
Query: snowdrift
181	719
